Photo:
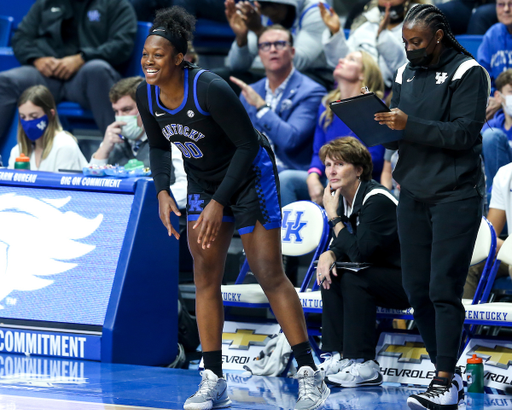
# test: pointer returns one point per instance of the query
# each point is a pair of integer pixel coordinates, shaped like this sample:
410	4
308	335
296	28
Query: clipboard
357	113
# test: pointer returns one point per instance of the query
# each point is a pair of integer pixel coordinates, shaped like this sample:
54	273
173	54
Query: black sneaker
442	394
457	379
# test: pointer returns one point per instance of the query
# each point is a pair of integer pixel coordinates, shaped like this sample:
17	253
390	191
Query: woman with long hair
439	101
358	69
40	134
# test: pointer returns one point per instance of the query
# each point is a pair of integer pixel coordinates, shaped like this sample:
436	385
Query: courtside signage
404	359
242	342
497	359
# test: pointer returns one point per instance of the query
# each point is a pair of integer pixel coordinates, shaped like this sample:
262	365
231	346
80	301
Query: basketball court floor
39	383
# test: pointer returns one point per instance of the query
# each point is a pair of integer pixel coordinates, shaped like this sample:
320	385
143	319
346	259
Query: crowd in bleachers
288	59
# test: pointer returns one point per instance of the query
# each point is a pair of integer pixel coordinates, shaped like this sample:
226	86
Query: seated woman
356	70
40	134
362	214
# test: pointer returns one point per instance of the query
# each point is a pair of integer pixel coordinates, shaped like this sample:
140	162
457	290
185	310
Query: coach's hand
166	205
395	119
210	221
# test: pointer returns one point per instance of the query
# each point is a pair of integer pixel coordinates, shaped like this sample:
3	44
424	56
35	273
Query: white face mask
131	130
507	105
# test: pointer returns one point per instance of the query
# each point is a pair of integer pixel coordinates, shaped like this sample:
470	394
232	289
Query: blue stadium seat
6	23
470	42
213	37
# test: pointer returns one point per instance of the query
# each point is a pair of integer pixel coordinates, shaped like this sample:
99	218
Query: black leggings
349	309
436	242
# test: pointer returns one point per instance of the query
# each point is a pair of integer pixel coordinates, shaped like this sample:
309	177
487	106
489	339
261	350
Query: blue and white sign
55	264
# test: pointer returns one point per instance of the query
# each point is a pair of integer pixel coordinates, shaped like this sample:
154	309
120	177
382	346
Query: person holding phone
439	101
232	182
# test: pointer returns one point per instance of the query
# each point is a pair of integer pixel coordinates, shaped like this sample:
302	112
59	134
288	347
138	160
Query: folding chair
492	314
304	229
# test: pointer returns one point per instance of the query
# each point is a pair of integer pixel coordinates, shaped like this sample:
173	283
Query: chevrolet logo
243	338
411	352
498	356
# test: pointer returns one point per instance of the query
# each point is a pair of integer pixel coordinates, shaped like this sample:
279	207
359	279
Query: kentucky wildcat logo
36	238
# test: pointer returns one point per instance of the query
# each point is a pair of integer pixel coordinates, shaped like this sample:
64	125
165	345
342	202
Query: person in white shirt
41	137
499	215
125	138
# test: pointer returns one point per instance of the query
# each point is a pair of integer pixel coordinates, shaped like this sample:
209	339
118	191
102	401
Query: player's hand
326	265
46	65
237	22
396	119
209	222
166	205
68	66
384	23
315	188
252	97
331	202
330	18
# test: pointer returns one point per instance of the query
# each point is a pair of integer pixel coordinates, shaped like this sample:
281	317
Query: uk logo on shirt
94	15
441	78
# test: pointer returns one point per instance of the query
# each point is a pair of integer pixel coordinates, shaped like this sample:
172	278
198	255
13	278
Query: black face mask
396	13
420	57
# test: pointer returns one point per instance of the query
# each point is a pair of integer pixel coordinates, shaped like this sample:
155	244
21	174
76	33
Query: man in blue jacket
283	105
72	47
495	52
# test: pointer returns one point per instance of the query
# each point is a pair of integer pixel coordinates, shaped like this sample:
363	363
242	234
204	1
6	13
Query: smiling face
159	62
275	60
342	174
504	12
349	68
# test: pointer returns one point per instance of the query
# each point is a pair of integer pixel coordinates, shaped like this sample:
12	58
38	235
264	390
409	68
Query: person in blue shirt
356	70
495	52
283	105
497	132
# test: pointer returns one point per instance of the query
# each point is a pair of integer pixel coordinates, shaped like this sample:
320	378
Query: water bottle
22	162
475	374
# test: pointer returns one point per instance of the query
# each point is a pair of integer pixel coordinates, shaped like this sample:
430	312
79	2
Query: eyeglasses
502	4
267	45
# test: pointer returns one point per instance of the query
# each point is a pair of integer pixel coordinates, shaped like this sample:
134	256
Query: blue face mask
35	128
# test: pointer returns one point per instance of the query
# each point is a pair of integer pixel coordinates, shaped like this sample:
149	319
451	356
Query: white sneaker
333	363
312	389
442	394
358	374
212	393
457	379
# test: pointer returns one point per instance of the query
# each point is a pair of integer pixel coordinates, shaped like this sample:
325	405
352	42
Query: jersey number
189	150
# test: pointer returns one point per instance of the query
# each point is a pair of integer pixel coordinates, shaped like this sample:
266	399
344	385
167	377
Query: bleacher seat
6	23
213	37
470	42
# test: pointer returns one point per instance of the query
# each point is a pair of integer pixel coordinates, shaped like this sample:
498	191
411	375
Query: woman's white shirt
65	154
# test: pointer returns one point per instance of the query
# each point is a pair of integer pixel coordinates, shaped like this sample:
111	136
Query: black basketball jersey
210	127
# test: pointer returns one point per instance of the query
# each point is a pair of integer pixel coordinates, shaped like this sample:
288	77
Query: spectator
71	47
495	53
500	214
380	35
357	69
362	214
283	105
125	138
208	9
497	132
301	17
469	16
40	135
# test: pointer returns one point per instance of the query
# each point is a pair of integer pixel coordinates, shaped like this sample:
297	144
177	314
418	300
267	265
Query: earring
437	41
